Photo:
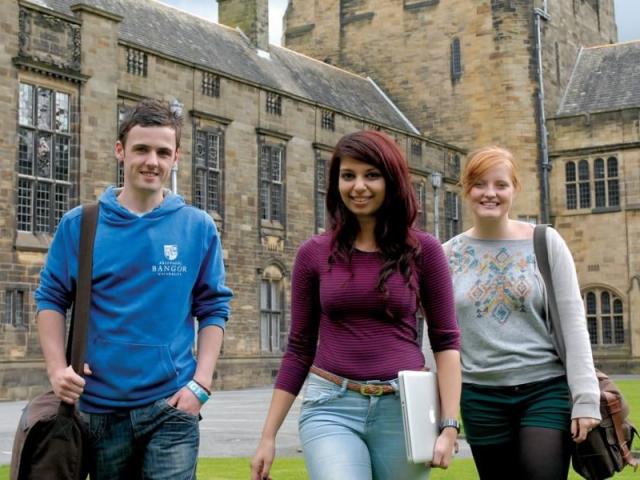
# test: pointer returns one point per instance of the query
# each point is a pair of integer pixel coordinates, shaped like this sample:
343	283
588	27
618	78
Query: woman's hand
263	459
580	428
446	445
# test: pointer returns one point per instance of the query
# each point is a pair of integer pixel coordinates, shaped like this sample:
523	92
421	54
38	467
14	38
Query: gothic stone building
260	123
518	73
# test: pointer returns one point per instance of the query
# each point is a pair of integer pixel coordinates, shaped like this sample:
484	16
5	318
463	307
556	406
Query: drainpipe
543	147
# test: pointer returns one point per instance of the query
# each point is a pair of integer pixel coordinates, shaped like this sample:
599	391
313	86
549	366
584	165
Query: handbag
51	438
607	448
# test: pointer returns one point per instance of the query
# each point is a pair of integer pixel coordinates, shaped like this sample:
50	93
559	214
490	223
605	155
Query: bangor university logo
171	252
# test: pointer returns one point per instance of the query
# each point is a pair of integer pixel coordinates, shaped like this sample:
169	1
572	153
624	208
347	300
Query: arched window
605	318
570	185
584	189
273	331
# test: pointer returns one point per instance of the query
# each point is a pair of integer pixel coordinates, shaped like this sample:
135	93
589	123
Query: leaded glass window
207	171
273	331
14	308
605	317
274	103
44	158
272	183
452	214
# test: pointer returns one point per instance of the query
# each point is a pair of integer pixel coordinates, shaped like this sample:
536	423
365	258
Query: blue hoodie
151	275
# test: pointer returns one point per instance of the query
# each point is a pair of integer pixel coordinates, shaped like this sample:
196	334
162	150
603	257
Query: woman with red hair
356	291
516	394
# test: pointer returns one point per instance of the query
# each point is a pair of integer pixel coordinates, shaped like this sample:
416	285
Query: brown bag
607	449
50	439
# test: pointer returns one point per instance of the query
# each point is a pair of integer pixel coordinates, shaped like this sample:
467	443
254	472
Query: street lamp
436	183
177	108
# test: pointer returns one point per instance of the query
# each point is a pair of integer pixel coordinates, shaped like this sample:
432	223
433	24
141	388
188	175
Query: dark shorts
494	415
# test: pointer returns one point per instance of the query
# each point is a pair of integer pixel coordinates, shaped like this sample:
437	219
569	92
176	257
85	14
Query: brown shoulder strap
614	406
82	304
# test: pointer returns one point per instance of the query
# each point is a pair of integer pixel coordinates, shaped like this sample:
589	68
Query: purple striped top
338	316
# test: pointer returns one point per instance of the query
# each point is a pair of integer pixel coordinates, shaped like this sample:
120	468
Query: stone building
463	71
474	72
260	122
595	185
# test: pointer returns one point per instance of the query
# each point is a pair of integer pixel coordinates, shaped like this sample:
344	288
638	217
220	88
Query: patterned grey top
499	297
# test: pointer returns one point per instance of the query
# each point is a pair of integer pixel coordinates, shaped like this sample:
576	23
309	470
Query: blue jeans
348	435
154	442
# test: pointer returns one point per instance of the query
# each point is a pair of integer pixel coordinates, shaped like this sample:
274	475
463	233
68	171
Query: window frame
328	120
456	60
320	190
14	316
604	311
210	85
273	103
592	184
206	203
452	214
420	189
267	211
137	62
273	324
52	178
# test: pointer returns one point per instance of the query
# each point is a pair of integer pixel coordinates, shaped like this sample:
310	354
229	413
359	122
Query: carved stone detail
46	39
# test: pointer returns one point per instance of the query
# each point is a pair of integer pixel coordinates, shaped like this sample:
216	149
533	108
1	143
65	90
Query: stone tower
463	71
250	16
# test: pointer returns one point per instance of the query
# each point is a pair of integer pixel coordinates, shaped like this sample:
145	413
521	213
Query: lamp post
176	107
436	183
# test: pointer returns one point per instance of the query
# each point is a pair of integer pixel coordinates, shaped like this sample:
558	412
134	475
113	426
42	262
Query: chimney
251	16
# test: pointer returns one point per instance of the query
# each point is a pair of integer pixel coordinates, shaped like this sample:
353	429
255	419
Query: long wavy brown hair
395	239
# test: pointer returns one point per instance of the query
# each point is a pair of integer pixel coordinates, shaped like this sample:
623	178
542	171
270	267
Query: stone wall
100	85
408	52
603	241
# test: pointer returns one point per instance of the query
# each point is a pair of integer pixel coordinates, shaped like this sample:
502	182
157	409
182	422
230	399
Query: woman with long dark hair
355	294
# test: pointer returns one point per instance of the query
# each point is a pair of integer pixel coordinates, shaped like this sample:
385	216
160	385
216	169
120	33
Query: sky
627	16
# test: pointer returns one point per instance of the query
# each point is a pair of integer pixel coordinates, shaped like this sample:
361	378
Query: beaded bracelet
198	391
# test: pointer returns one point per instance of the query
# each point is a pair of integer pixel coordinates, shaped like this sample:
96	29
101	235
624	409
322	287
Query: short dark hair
151	112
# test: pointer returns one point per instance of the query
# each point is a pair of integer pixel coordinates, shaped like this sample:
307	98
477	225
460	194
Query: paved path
231	425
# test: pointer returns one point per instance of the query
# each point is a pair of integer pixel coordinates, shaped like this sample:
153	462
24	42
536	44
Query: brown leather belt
371	389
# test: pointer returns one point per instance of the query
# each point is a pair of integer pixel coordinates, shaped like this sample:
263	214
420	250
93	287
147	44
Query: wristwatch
449	422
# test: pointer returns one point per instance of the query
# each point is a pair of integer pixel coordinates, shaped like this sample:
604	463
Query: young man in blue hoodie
157	265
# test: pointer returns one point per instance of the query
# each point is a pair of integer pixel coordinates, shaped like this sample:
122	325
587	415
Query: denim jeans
348	435
154	442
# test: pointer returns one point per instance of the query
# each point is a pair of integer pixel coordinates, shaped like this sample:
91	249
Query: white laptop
420	413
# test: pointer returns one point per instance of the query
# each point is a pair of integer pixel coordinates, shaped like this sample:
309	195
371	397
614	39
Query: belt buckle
371	390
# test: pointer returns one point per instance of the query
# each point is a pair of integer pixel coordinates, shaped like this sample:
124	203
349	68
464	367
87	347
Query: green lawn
293	468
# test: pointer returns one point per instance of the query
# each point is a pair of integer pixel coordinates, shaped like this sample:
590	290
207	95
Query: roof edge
395	107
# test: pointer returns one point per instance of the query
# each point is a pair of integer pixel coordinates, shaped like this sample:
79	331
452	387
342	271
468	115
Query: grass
461	469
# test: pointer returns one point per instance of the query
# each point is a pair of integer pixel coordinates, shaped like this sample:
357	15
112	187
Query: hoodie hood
113	212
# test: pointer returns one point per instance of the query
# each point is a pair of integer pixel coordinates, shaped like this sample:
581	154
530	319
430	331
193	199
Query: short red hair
484	159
